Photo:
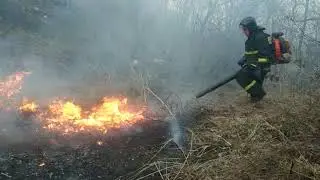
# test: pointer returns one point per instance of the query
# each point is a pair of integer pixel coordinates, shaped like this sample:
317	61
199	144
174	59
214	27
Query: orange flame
67	117
28	106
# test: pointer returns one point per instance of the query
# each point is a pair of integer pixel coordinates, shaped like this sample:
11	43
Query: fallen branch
6	175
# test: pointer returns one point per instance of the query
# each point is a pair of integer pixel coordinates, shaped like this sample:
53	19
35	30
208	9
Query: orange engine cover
277	47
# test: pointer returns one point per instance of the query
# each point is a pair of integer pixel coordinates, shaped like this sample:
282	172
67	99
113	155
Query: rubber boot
257	98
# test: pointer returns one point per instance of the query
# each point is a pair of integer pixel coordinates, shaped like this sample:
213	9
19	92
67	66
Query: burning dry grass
64	116
277	140
67	117
85	140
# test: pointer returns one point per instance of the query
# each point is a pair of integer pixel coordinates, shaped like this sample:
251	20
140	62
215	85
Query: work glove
241	62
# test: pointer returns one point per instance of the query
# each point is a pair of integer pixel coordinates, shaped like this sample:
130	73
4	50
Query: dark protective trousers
250	82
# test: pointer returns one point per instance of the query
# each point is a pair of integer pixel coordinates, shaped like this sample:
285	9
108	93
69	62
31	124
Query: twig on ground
159	171
186	159
285	138
6	175
291	168
163	103
153	173
170	112
149	164
165	144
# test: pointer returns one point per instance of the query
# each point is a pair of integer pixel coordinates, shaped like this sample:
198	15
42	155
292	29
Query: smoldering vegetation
161	53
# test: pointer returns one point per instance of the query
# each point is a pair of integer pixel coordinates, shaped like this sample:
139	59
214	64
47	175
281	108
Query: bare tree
302	34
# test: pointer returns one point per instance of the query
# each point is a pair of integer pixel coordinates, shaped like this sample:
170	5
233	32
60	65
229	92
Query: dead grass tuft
277	140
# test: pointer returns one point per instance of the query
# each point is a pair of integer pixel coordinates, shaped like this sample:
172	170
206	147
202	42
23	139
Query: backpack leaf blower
216	86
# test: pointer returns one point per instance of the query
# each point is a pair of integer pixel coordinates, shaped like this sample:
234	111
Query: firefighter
256	60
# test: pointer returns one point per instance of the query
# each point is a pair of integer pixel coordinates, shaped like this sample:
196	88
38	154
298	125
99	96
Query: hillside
230	139
92	89
277	139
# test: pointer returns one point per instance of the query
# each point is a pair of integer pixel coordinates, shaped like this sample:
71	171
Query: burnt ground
230	140
48	156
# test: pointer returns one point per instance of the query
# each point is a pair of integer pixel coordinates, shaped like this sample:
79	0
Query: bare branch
309	19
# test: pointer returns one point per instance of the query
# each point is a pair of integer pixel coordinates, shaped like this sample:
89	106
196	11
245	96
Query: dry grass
279	139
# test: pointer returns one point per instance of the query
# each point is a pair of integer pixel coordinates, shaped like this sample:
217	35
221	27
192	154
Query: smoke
87	42
91	48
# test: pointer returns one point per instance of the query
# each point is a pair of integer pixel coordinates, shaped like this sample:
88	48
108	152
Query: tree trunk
206	18
303	33
317	30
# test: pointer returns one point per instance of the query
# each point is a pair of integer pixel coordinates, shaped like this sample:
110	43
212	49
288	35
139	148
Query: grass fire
99	131
159	89
65	116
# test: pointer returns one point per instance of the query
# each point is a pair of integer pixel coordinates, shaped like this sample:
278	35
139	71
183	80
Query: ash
82	156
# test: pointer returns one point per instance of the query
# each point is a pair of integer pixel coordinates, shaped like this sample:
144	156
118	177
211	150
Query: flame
68	117
28	106
109	114
100	143
65	111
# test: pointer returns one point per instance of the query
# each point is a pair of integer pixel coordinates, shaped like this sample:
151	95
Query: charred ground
83	156
229	139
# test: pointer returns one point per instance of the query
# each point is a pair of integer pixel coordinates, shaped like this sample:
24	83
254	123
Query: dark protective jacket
257	59
258	49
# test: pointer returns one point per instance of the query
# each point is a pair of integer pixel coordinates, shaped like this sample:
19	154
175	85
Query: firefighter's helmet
249	23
